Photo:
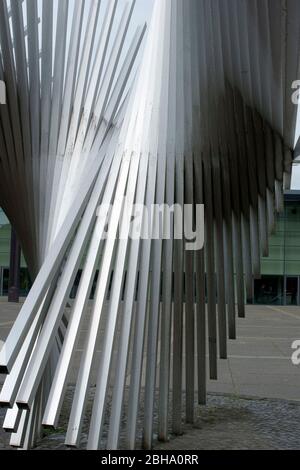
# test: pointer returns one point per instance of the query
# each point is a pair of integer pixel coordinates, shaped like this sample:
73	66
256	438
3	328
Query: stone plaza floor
255	404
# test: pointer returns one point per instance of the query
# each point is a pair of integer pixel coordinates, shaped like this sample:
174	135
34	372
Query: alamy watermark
2	92
155	222
296	353
296	93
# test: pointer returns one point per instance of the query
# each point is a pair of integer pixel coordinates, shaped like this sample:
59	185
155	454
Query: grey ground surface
255	404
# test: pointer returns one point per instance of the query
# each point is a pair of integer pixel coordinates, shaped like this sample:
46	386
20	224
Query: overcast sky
143	9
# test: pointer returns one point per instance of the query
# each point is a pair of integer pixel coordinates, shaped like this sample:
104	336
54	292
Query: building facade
5	234
280	280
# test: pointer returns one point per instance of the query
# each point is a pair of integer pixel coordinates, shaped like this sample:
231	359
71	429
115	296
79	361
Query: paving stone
266	420
227	422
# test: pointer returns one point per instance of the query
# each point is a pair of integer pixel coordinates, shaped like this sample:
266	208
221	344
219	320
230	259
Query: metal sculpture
208	120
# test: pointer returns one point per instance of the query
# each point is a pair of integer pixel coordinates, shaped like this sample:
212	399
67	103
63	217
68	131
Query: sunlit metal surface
209	120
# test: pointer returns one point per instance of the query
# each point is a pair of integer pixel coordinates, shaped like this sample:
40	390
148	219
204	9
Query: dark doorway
291	293
268	290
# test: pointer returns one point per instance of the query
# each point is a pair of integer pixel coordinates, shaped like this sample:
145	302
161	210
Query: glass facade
5	233
280	280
